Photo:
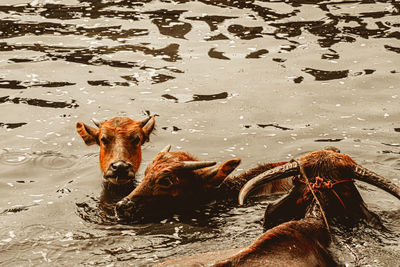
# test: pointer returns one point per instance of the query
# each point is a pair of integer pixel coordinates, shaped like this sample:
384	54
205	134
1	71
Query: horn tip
194	165
96	122
166	149
241	199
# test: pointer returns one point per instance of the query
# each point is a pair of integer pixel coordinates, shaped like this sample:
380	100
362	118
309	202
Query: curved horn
96	122
372	178
195	165
280	172
166	149
145	121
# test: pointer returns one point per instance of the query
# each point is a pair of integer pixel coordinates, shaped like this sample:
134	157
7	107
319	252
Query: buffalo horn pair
142	123
292	168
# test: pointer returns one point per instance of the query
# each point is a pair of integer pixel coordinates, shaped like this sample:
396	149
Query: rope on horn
303	174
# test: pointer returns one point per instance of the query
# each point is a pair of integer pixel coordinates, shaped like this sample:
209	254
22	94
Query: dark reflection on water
213	53
280	60
17	209
170	97
390	152
395	144
245	33
222	95
257	54
334	140
12	125
107	83
160	78
212	21
365	72
275	126
392	48
92	9
332	55
197	97
216	37
39	102
324	75
12	28
298	79
9	84
168	22
90	56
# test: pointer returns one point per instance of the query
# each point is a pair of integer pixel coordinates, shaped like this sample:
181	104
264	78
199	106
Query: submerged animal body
120	140
297	226
296	243
176	181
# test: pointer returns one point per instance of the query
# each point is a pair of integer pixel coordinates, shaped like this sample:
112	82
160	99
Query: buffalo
297	226
120	140
176	182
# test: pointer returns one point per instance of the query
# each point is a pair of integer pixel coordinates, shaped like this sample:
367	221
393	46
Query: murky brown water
259	80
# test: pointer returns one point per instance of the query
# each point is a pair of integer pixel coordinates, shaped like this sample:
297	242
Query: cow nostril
120	166
113	166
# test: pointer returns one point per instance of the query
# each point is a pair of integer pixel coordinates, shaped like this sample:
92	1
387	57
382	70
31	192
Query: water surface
259	80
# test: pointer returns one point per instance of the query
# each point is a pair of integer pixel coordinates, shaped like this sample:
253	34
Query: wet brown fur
302	239
294	243
124	138
167	164
300	243
337	193
328	164
191	187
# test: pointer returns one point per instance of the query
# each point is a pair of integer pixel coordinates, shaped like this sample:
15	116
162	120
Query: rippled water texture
259	80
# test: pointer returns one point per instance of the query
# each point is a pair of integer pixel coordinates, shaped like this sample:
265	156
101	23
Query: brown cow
333	174
296	243
304	240
120	140
176	181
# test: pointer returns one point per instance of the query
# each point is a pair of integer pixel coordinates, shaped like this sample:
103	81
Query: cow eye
104	140
136	140
165	181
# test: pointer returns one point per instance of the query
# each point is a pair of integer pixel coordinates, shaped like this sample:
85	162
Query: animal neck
112	193
314	212
359	212
231	185
296	243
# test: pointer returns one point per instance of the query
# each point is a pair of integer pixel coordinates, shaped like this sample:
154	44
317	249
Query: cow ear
216	174
89	134
148	128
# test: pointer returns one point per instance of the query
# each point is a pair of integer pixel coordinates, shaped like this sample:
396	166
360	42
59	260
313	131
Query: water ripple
54	161
14	158
48	160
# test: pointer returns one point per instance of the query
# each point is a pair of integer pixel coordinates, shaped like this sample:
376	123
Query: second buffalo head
173	182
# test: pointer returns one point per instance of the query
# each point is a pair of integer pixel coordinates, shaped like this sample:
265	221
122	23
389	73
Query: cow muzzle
125	209
120	172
